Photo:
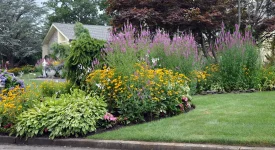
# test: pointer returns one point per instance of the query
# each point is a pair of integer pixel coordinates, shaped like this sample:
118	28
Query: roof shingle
96	31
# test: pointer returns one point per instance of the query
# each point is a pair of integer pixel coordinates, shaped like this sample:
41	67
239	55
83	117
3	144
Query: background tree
260	17
68	11
20	31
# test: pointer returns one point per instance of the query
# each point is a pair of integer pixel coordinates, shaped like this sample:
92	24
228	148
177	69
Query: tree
20	30
83	51
72	11
261	17
201	17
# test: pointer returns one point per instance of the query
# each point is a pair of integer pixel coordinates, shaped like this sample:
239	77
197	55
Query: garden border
117	144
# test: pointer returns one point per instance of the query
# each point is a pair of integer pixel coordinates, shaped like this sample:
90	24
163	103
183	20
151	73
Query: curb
116	144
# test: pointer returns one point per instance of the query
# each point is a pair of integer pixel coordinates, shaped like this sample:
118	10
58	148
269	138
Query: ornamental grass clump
157	49
144	95
238	60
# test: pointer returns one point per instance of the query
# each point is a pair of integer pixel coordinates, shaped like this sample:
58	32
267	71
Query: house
64	33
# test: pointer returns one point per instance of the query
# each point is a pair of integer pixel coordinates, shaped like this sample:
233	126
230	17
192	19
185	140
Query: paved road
24	147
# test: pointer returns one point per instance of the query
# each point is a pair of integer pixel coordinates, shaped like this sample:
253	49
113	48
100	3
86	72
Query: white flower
155	60
99	86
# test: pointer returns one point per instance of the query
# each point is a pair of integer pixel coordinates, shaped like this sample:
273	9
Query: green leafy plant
83	51
60	51
73	114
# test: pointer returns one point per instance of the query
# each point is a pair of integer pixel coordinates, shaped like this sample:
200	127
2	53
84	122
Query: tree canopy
72	11
20	30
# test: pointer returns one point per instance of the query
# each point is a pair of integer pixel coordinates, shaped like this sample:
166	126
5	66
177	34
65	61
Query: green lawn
235	119
29	79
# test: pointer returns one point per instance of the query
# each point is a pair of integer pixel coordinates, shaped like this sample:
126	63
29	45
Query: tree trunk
204	50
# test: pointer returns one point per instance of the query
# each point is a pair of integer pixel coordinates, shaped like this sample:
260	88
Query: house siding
54	38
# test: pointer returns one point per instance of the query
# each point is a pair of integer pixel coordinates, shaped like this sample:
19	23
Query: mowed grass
234	119
30	80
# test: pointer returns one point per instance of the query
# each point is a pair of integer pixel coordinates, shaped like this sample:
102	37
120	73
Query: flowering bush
208	79
8	80
146	94
10	105
127	48
16	100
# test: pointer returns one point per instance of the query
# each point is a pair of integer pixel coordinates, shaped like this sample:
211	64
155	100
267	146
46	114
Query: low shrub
51	88
208	79
144	95
267	79
73	114
24	69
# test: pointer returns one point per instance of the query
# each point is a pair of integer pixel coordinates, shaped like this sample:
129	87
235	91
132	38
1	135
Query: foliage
51	88
70	115
60	51
267	79
79	29
20	30
67	11
24	69
108	121
239	60
144	95
83	51
125	49
208	79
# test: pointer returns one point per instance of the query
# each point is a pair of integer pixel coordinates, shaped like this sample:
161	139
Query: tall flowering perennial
227	40
153	92
238	60
158	49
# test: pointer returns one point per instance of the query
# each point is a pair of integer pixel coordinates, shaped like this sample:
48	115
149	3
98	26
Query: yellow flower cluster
144	83
201	75
55	63
49	88
10	105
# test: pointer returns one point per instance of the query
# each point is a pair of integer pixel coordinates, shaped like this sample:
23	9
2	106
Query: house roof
67	30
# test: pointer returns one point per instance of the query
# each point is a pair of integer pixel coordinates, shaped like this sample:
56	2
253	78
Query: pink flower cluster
109	117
